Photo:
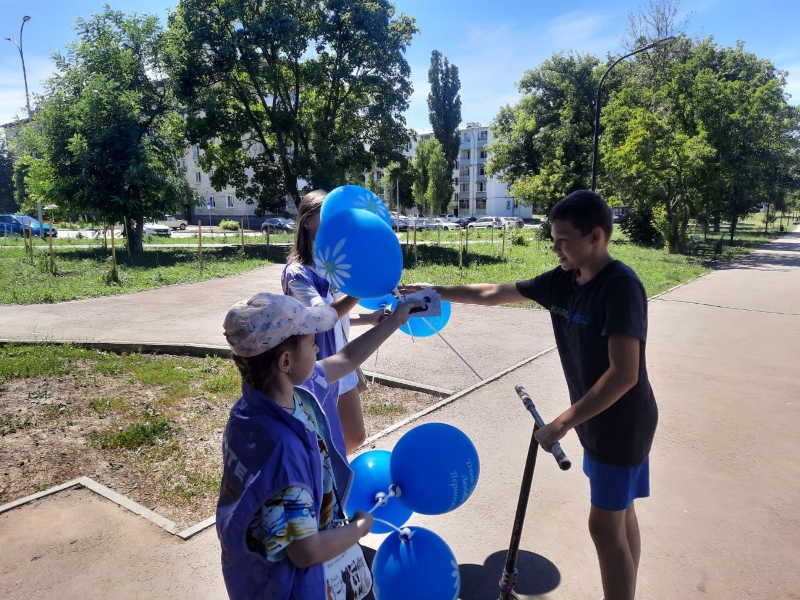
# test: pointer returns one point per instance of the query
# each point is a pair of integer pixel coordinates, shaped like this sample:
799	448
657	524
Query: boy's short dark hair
585	210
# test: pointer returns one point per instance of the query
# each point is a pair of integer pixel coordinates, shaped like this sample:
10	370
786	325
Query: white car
486	223
446	225
173	222
157	229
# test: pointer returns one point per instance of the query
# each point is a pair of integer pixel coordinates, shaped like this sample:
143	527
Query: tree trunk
734	221
717	220
135	234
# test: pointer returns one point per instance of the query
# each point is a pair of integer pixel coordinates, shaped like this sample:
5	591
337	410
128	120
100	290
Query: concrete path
722	522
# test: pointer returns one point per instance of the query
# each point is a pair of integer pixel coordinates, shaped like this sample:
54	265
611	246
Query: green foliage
7	202
229	225
288	90
433	186
141	434
444	105
107	134
405	172
543	144
640	227
18	361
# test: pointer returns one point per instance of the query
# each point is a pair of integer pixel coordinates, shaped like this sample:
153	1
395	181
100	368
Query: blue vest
266	450
326	341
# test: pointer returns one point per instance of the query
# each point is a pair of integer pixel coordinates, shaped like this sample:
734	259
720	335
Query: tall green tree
107	134
281	90
400	178
543	146
444	105
7	203
433	183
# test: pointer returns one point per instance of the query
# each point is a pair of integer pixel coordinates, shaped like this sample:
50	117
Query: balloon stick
451	348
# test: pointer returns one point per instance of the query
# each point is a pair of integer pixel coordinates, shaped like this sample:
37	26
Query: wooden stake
503	248
200	243
492	233
113	253
460	248
241	226
439	236
415	244
52	261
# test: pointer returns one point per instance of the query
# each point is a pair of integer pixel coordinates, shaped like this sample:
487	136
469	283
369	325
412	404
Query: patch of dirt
53	429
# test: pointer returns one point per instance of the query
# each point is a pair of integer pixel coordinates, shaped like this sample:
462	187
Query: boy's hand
401	310
363	521
411	289
550	434
376	317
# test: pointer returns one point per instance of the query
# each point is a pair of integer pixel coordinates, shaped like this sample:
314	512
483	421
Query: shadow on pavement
537	575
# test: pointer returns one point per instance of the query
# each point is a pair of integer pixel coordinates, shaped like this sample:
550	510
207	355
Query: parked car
451	218
618	217
402	224
464	221
513	222
487	223
14	224
174	222
445	224
157	229
278	225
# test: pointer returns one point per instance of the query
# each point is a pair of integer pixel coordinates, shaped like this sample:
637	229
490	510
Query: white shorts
348	382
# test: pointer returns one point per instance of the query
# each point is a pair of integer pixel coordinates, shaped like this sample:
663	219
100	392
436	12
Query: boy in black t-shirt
598	308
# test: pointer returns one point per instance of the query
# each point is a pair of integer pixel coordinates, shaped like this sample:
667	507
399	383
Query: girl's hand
376	317
401	310
363	521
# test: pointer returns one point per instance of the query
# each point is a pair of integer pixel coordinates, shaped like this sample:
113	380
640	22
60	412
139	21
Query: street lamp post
655	44
25	19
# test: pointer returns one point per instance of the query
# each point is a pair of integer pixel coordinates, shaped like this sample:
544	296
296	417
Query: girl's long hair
303	248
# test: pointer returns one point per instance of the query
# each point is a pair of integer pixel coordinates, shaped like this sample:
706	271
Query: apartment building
218	205
476	194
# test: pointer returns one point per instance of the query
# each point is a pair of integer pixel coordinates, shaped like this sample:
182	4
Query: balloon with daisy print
354	196
358	253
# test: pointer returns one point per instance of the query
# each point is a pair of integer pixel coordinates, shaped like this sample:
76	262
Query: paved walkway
722	522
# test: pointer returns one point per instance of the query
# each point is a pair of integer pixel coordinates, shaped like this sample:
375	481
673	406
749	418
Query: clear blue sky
492	42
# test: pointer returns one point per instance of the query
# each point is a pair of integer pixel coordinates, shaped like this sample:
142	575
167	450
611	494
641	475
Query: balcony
464	178
464	195
482	143
463	162
465	145
480	161
480	196
480	177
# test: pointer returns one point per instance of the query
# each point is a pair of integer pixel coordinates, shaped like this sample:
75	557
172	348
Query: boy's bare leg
617	566
352	418
634	539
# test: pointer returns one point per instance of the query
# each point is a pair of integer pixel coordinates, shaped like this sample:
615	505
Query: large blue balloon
436	467
425	326
358	253
387	301
372	474
422	567
354	196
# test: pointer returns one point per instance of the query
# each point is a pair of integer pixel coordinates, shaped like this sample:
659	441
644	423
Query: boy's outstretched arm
328	544
360	349
486	294
621	375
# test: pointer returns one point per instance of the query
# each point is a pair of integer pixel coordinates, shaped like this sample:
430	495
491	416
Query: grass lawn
149	427
86	272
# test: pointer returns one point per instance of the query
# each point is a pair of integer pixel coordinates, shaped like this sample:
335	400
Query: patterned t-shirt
290	515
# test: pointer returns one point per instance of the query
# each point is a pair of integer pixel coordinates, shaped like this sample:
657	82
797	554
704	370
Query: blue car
14	224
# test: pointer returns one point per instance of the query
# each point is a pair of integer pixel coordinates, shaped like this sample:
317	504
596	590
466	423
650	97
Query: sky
491	42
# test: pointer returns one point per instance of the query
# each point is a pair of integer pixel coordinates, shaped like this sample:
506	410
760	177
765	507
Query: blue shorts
614	488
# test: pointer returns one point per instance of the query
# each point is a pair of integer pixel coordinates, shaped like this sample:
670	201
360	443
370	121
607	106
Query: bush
518	238
545	230
228	225
640	227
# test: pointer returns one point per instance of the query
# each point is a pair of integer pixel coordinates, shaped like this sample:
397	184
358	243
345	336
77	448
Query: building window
480	204
196	152
483	136
465	154
465	137
508	204
229	201
465	187
184	166
463	204
482	171
213	202
198	178
464	171
481	153
481	186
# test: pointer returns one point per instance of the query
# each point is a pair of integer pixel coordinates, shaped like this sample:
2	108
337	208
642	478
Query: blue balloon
422	567
358	254
425	326
436	467
354	196
387	301
372	474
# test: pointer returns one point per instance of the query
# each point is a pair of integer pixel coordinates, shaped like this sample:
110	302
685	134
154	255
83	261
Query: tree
402	170
433	185
106	138
282	90
543	146
7	203
444	105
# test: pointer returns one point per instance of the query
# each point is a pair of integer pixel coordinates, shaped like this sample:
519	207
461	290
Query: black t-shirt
613	302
